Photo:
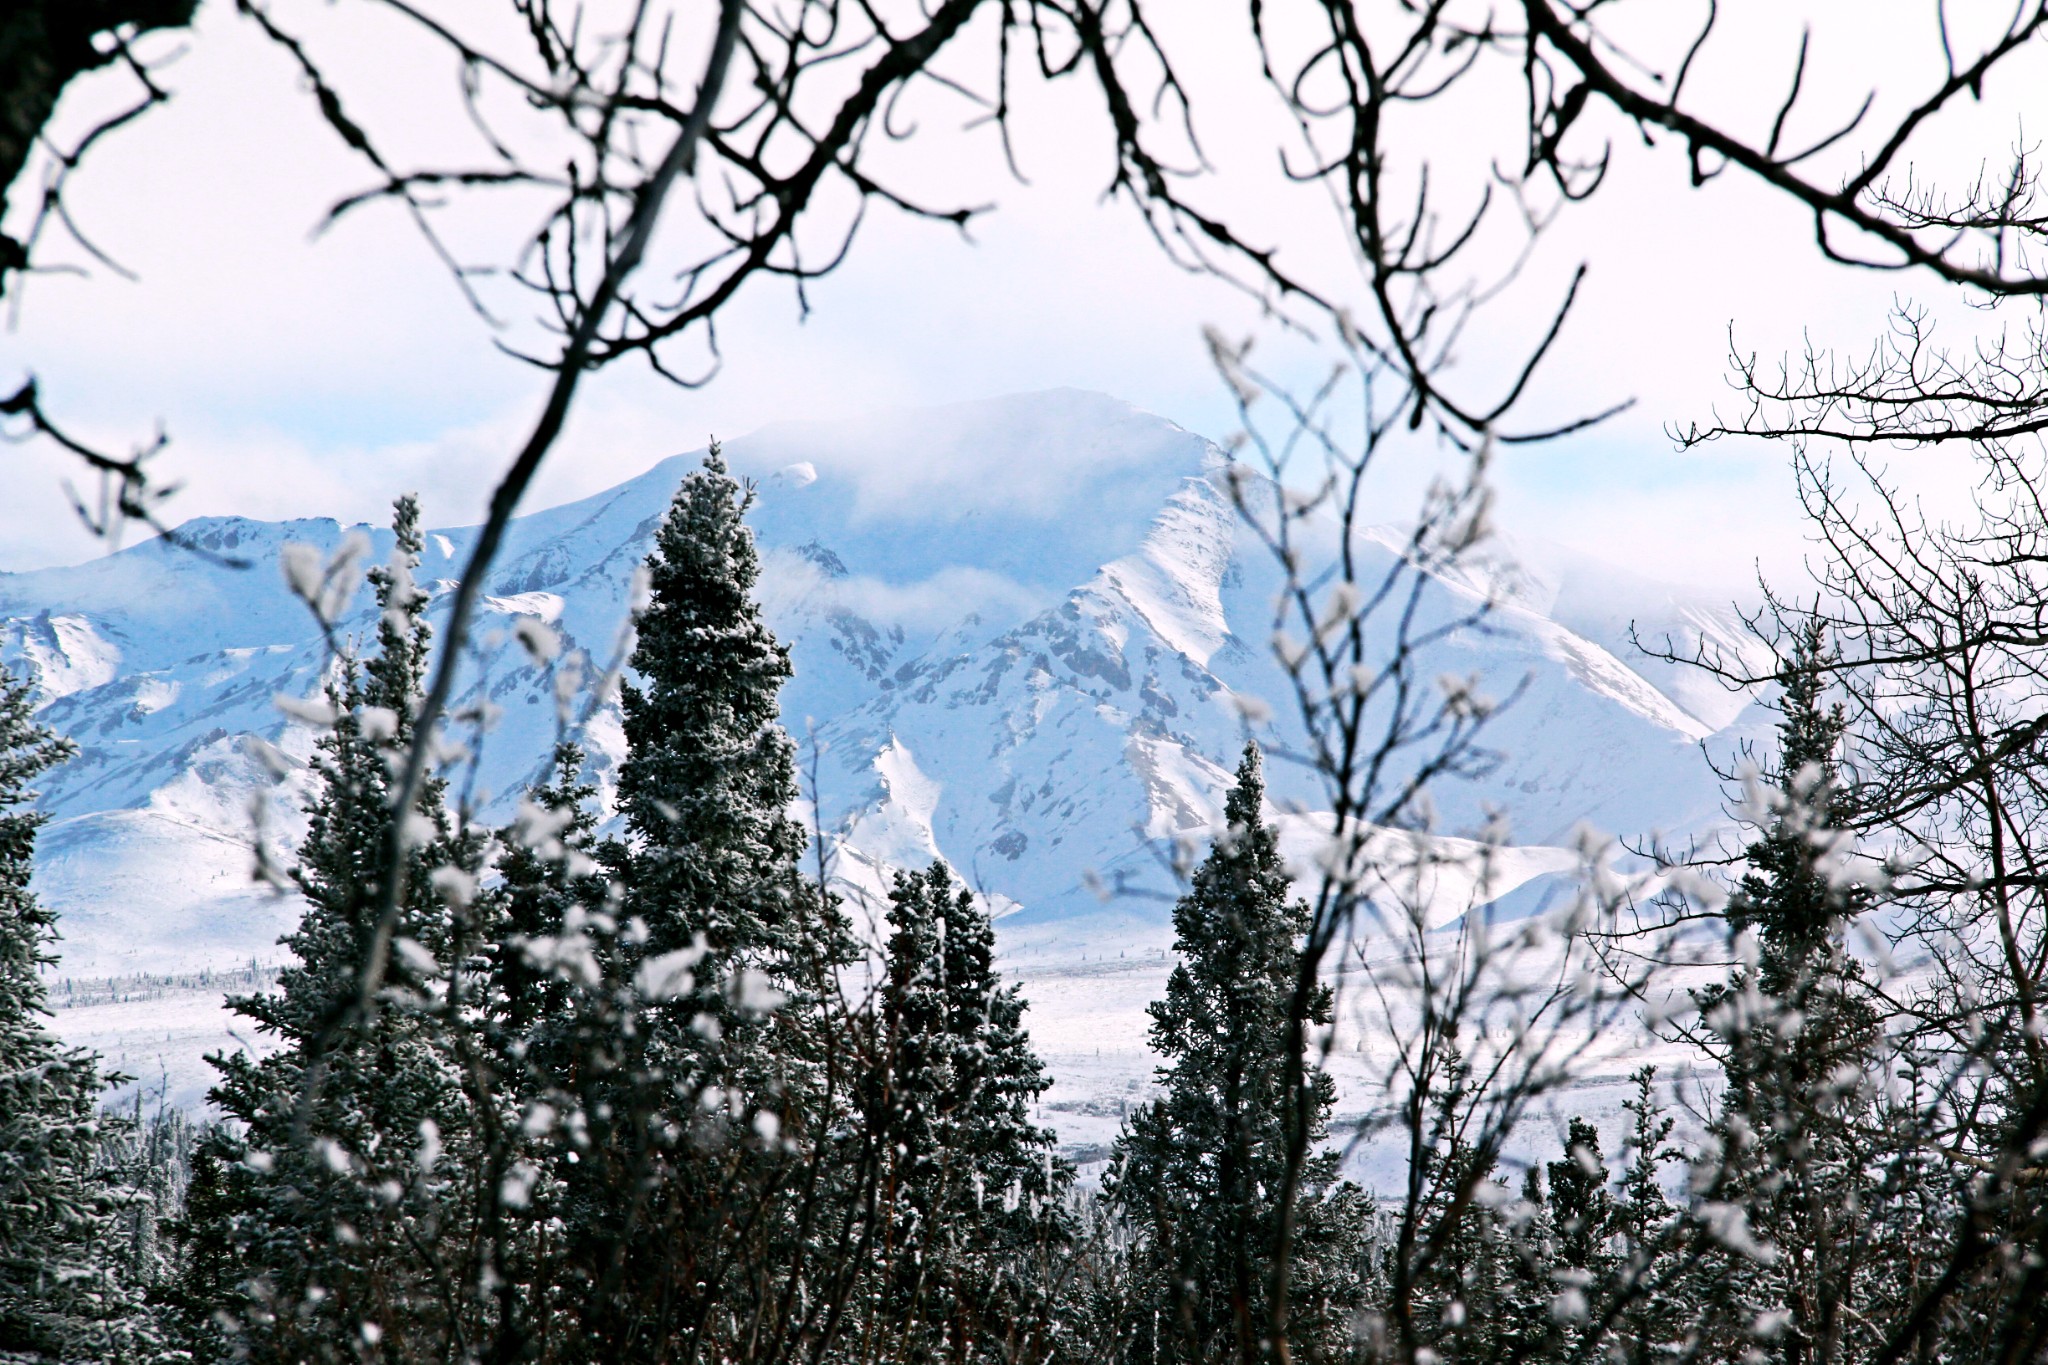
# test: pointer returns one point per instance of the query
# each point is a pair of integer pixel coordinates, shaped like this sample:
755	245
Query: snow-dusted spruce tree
1197	1172
975	1192
1787	895
1646	1297
1522	1325
339	1216
710	775
1788	1189
1581	1207
60	1295
693	1211
553	1038
1581	1216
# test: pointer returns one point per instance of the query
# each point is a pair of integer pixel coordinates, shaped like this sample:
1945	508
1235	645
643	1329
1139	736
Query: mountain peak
1020	627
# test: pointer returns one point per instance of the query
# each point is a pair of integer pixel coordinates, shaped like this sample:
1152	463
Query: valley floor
1088	1021
158	1035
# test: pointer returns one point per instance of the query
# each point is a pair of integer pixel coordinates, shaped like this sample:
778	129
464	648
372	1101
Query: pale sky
319	378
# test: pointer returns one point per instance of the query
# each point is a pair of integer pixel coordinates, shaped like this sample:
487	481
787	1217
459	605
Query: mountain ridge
1022	628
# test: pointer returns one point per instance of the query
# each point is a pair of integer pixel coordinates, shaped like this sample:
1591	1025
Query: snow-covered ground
159	1035
1088	1021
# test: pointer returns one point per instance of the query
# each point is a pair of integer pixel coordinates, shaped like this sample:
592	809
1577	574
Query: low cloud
791	583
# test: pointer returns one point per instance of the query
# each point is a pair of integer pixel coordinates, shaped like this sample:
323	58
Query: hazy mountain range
1021	628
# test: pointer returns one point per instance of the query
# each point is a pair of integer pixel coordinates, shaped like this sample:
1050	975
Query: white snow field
159	1035
1020	627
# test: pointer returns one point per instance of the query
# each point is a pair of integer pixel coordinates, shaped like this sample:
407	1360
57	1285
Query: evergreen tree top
1237	930
701	631
1581	1208
710	775
1245	864
1809	729
1787	894
394	676
708	671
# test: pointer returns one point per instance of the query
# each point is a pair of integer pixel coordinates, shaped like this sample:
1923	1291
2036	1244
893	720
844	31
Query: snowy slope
1019	626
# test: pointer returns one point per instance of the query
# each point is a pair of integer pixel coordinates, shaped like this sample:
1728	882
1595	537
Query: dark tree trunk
43	45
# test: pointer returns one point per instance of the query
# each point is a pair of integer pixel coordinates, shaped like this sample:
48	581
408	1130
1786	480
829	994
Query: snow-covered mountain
1020	628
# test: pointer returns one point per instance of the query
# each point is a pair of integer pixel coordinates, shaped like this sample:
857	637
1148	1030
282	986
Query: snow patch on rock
60	654
546	606
1174	582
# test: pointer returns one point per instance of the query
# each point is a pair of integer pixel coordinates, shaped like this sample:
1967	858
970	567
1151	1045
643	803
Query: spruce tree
1786	894
345	1194
1643	1209
59	1293
1581	1217
557	1031
1581	1209
709	775
688	1204
1645	1221
1798	1035
976	1189
1528	1328
1199	1171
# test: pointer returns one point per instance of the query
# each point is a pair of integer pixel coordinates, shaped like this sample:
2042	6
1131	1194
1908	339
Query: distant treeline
73	992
